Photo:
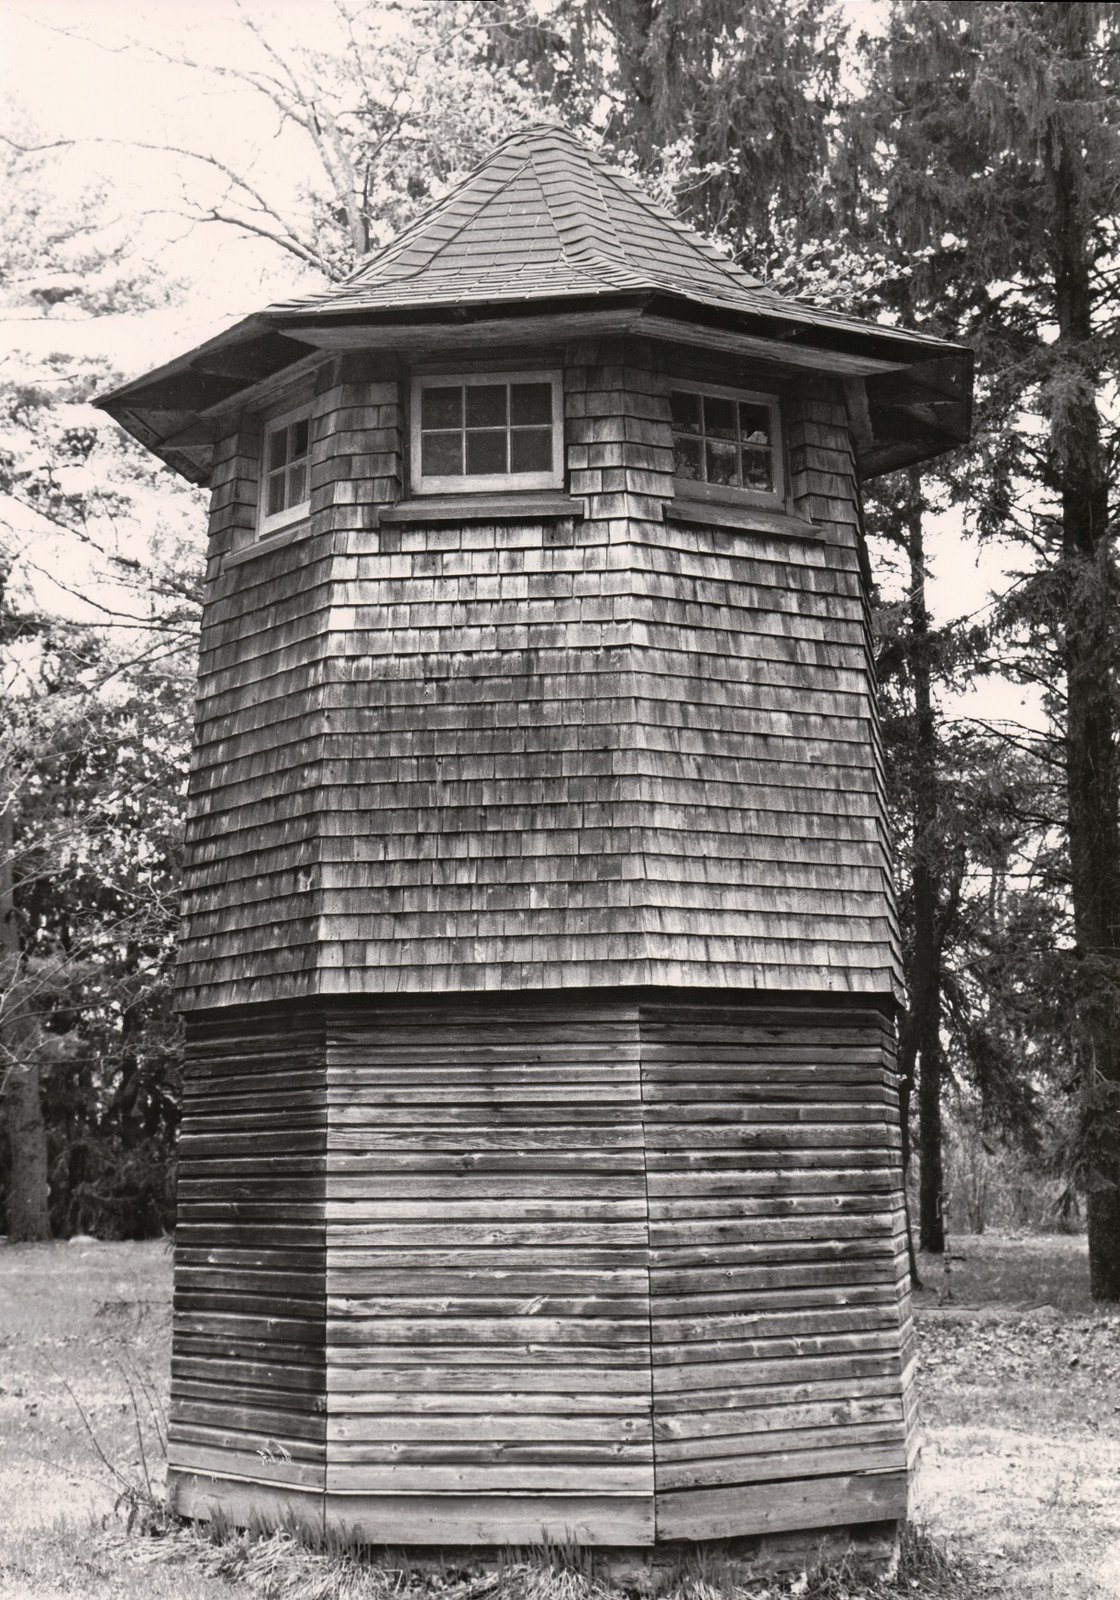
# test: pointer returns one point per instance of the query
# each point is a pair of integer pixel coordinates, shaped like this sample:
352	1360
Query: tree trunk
1088	592
28	1188
925	974
907	1057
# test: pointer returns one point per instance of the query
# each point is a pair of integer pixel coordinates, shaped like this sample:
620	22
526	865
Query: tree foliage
403	99
93	736
997	134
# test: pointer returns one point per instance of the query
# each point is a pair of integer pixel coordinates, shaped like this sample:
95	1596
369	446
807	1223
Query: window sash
724	454
285	471
488	438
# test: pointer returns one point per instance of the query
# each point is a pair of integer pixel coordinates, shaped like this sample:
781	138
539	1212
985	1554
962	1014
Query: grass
1021	1409
1020	1393
80	1325
994	1270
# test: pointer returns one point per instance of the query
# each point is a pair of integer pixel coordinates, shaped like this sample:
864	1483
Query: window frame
776	499
489	482
271	423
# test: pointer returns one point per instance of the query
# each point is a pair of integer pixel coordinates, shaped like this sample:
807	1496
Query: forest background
952	166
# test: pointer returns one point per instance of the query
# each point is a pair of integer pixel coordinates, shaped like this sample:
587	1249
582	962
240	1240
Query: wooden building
540	1158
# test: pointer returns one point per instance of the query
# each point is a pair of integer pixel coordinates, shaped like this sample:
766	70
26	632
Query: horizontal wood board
569	753
487	1286
774	1274
248	1375
471	1263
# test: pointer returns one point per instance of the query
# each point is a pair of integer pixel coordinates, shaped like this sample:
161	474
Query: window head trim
484	482
702	488
285	470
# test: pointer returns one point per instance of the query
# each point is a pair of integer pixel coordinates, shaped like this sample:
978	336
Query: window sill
527	506
759	519
265	542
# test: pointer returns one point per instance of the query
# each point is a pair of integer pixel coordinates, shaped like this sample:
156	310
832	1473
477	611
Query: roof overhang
909	395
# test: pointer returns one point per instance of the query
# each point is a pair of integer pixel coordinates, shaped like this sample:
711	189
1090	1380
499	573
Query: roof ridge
711	252
471	216
578	240
387	252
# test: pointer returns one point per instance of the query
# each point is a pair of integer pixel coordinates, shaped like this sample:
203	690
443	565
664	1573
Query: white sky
90	70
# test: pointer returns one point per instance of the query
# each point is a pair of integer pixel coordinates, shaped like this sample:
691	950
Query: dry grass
1021	1393
80	1324
1021	1406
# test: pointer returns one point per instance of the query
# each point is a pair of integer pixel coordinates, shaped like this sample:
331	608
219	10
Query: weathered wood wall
252	897
773	1161
604	1266
248	1375
488	1284
620	1261
622	747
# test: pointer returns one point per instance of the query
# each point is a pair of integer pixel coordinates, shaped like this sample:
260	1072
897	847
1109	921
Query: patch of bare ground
1020	1385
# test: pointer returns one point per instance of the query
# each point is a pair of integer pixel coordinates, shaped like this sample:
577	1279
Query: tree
399	100
77	710
28	1194
1002	123
723	108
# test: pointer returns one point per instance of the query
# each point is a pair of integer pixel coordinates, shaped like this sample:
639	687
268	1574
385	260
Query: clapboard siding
571	751
249	1348
772	1157
487	1281
486	1265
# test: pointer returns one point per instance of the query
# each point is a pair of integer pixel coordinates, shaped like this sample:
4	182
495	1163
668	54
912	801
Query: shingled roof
544	225
542	216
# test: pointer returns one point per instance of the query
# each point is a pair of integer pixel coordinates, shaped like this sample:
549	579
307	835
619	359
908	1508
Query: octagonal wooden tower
540	1156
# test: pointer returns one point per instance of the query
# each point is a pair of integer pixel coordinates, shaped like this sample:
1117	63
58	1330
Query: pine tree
1003	127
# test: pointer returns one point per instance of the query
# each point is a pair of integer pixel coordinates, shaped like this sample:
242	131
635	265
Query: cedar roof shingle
542	216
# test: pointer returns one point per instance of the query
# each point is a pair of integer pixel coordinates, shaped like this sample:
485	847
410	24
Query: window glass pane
754	422
277	448
687	462
686	411
530	450
275	493
299	438
719	417
297	485
530	402
722	462
441	454
441	408
758	472
486	452
486	405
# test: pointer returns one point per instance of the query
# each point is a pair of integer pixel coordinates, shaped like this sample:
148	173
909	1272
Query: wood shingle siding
470	756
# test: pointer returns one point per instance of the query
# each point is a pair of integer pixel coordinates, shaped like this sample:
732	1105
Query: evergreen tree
1001	125
724	107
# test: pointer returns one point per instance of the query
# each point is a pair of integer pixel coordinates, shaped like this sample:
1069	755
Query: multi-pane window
730	440
490	431
284	478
